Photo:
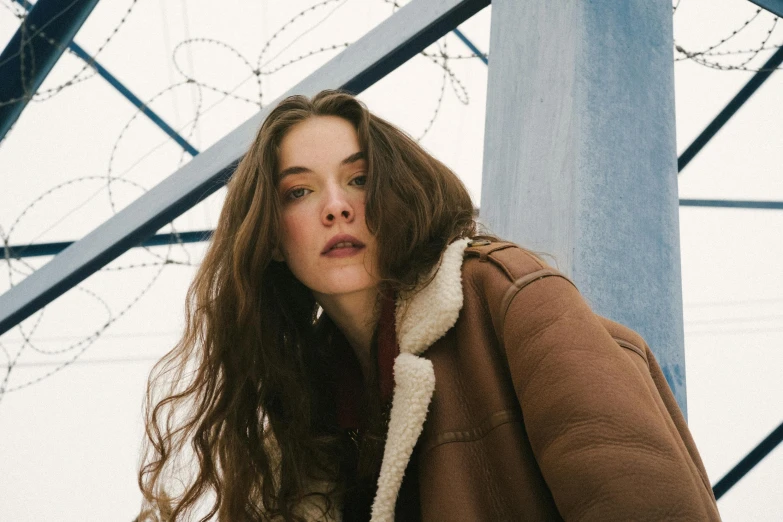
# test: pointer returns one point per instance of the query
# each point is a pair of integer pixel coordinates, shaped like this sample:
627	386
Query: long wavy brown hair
240	415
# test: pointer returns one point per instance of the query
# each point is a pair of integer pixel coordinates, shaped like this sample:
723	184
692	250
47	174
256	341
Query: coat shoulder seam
633	348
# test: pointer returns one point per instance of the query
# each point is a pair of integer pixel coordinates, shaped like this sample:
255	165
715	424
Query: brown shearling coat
525	405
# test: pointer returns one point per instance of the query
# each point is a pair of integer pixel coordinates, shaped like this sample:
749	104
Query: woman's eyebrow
356	156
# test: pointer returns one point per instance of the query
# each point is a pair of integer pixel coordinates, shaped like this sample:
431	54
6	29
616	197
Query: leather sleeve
606	444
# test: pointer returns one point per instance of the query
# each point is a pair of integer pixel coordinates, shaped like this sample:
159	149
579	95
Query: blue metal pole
580	156
28	58
114	82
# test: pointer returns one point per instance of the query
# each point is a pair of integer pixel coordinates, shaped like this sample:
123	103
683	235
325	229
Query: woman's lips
345	251
342	245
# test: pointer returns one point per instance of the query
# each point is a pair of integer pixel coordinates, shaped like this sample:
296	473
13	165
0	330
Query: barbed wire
17	267
262	66
85	343
709	56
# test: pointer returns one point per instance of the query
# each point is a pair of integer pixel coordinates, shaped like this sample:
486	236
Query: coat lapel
422	318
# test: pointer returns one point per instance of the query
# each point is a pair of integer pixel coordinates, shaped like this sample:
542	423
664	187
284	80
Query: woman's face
324	237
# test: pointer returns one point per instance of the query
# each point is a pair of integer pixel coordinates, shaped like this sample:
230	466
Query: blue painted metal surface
403	35
106	75
733	106
28	57
470	45
580	156
440	26
773	6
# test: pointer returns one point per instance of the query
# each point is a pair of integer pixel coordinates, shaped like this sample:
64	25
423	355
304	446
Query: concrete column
580	155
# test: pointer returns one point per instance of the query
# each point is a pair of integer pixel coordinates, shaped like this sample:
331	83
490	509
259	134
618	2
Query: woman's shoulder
495	273
491	257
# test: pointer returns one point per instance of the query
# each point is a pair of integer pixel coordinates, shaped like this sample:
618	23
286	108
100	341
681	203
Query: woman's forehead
320	140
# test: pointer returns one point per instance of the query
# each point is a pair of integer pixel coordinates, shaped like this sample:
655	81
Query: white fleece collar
431	311
421	319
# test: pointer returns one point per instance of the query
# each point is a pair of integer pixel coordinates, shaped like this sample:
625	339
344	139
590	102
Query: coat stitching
517	286
628	346
495	420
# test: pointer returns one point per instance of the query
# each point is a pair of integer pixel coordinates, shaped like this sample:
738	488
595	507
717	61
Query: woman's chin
344	284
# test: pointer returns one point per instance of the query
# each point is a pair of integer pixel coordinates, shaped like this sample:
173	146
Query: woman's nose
337	207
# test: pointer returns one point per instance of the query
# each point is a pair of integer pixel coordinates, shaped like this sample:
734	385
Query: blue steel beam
149	113
733	106
722	203
51	249
114	82
755	456
28	58
773	6
394	41
470	45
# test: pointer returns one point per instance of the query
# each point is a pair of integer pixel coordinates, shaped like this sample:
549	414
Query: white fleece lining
421	320
430	312
414	380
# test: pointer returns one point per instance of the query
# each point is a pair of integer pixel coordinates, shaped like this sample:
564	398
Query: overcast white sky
69	441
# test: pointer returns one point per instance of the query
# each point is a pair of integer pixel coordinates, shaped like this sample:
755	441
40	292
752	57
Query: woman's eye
297	193
360	180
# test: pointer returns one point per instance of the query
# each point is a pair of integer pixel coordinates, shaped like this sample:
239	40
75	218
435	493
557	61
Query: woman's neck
356	315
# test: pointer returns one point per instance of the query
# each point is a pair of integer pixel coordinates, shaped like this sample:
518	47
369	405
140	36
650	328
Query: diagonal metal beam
773	6
742	468
152	115
128	95
27	59
369	59
124	91
733	106
470	46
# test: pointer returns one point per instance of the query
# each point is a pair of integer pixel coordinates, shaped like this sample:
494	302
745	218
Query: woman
353	349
